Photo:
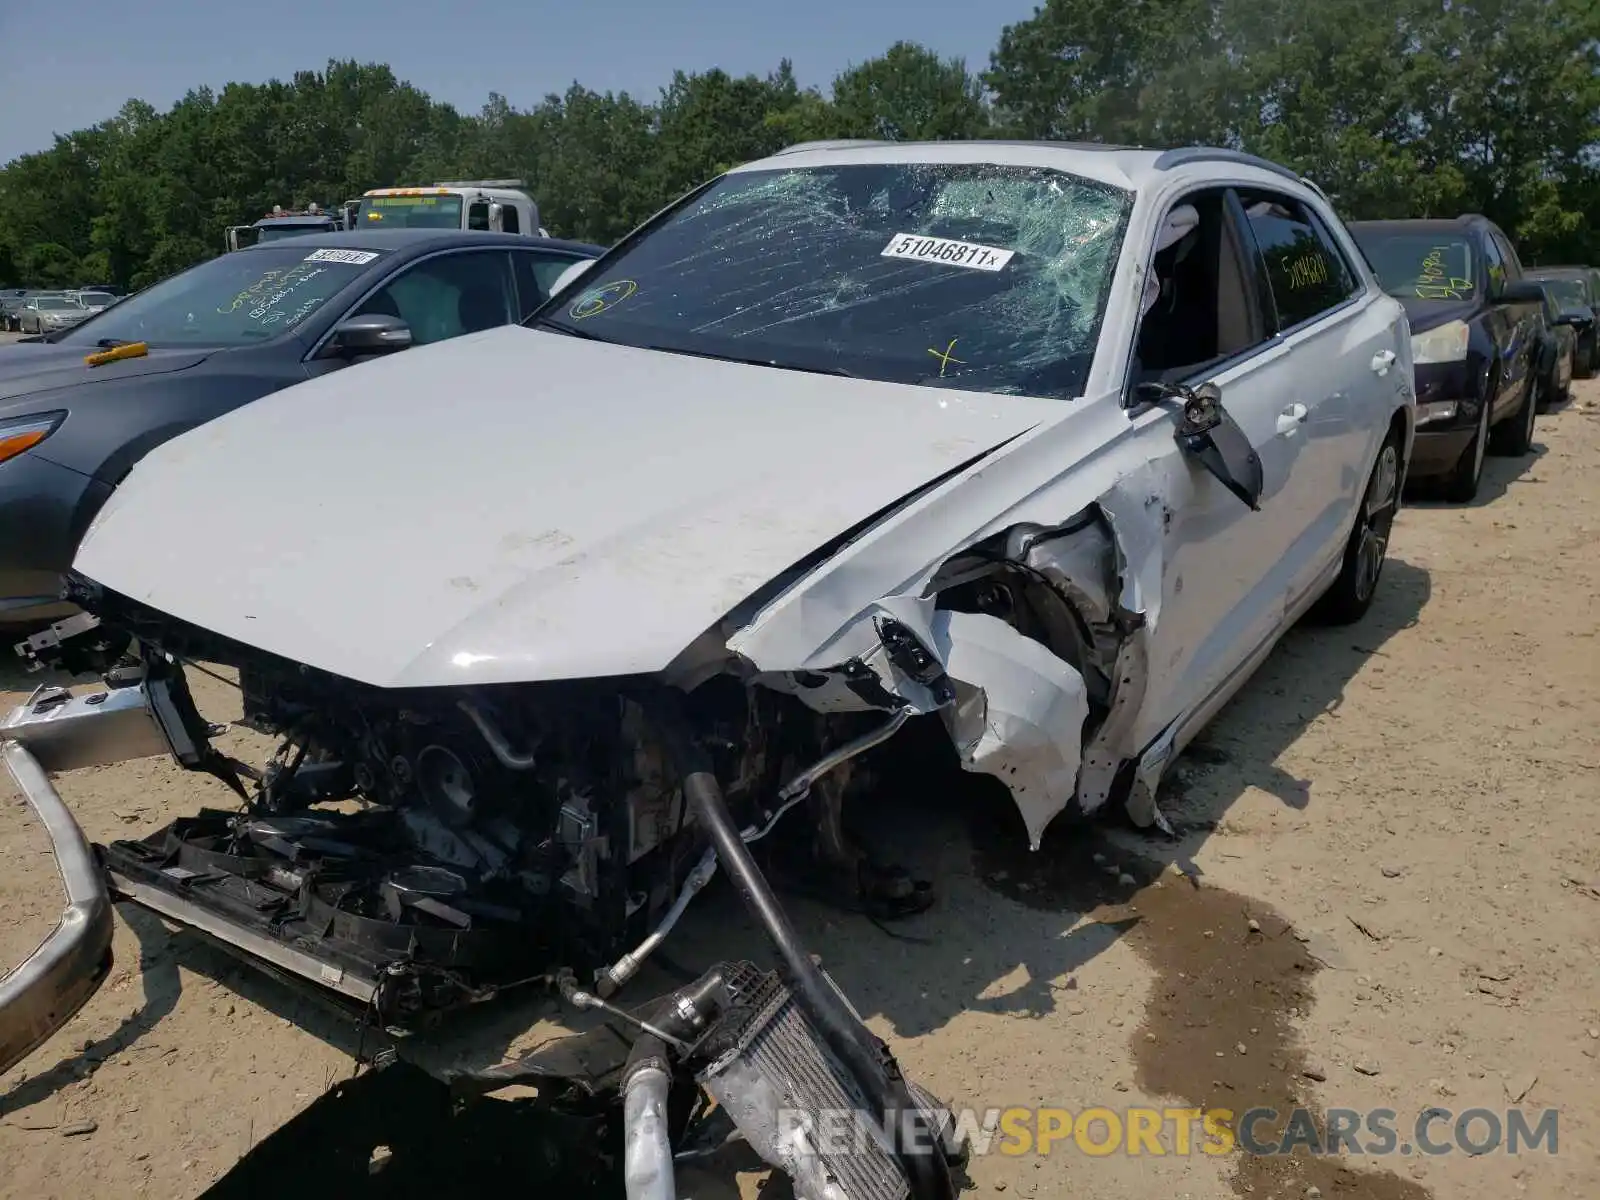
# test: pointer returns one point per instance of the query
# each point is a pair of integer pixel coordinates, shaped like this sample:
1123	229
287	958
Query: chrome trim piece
54	982
64	732
273	953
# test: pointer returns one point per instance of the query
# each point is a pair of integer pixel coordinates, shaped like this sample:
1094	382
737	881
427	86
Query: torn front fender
1097	536
1018	716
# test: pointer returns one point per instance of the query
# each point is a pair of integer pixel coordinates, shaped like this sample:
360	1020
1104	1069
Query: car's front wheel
1348	600
1461	485
1514	435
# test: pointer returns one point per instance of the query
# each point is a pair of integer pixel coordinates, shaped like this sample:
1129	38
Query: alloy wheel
1377	519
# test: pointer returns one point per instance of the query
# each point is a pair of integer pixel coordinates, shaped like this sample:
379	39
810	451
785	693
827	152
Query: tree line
1397	108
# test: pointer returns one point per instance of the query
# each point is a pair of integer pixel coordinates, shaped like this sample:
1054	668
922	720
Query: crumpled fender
1018	715
1020	711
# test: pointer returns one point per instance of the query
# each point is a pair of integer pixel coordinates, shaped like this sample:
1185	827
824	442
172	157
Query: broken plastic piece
1018	715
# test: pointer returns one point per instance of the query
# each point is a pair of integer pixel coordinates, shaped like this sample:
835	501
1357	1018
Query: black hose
868	1060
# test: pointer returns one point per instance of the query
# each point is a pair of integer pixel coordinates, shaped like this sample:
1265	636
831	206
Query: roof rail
485	183
1184	155
1317	188
834	144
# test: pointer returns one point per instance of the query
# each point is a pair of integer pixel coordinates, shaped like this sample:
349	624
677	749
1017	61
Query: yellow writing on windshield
273	287
403	201
1435	281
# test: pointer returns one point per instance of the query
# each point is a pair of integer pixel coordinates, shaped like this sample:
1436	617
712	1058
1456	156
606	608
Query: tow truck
502	205
284	223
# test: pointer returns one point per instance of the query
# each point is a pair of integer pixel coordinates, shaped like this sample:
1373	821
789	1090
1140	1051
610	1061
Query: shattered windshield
1421	266
980	277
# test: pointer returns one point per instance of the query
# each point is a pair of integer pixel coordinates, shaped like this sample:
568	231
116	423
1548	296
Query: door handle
1382	361
1292	418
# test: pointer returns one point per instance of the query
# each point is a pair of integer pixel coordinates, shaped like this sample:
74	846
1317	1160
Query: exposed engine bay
430	849
416	850
427	848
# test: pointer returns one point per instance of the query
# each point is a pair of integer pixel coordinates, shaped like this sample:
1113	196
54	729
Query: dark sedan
1566	322
1477	326
1578	288
79	408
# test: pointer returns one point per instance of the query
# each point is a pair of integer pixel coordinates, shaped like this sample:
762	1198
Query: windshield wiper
756	362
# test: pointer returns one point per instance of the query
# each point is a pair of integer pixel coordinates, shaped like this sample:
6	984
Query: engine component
446	786
781	1085
867	1061
646	1139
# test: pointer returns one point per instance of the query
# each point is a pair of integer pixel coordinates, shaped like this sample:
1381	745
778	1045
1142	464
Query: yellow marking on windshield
947	356
1435	282
273	279
597	300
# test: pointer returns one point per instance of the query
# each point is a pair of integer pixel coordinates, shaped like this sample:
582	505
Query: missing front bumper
56	731
56	980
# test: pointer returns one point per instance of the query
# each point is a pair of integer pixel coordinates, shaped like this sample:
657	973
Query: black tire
1351	593
1513	437
1583	364
1461	485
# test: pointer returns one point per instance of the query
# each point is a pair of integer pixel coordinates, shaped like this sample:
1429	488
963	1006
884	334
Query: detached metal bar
53	983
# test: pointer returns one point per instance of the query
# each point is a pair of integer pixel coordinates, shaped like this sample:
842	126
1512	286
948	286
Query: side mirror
1522	291
566	277
497	214
1208	435
374	333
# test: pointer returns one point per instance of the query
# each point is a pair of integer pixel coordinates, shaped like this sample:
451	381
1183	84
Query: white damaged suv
1048	443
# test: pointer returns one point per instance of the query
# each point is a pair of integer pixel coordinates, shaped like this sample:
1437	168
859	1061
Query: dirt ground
1386	894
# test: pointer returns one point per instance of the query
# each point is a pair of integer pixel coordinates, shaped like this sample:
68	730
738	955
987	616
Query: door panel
1221	564
1343	347
1526	321
1309	282
1230	567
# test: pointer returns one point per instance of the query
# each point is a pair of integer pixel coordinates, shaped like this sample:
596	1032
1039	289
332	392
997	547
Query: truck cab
283	223
500	205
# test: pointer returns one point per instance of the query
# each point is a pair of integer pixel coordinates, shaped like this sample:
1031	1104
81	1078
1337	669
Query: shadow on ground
1499	476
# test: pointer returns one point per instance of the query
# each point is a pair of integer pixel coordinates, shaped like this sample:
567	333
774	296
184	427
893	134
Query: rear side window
1307	271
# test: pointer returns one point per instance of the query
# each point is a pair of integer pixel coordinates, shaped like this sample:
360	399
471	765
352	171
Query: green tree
910	94
1396	107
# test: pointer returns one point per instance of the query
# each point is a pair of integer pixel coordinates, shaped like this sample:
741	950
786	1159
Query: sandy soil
1386	895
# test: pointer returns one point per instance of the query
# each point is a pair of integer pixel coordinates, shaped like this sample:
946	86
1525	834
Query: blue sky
66	64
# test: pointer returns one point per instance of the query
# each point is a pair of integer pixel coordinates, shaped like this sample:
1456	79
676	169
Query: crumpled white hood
519	505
